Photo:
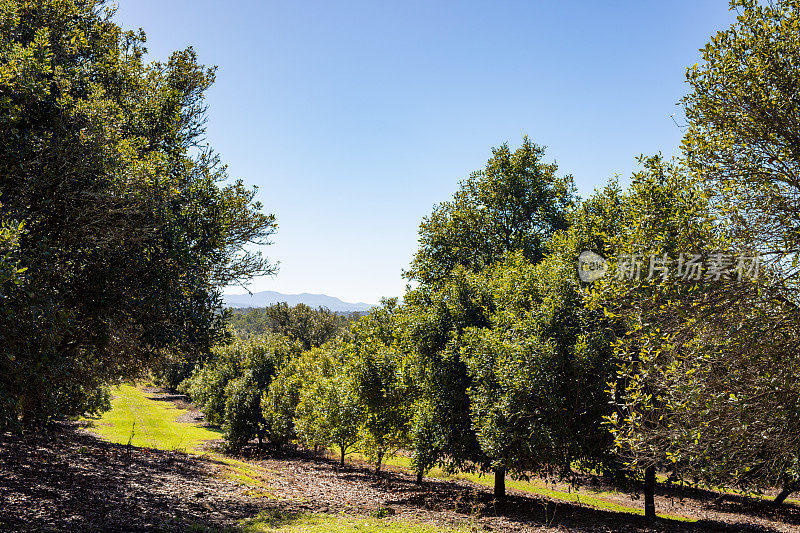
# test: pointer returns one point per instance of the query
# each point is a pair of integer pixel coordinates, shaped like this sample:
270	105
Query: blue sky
355	118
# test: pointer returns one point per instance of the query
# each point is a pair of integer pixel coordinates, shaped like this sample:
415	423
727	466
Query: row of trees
500	359
231	384
342	394
496	365
711	371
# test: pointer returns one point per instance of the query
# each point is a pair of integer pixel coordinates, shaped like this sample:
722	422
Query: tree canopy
711	382
312	327
129	232
516	203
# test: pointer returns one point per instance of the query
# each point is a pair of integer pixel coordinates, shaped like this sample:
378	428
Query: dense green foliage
376	366
539	370
128	234
501	359
742	113
230	386
516	203
349	393
434	321
328	413
280	402
663	214
10	273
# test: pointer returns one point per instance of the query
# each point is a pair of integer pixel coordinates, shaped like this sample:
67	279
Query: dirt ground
69	480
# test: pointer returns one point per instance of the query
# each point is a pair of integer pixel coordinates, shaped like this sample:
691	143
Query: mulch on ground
69	480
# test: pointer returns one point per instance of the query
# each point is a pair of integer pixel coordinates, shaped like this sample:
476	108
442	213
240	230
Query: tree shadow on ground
65	480
520	510
788	512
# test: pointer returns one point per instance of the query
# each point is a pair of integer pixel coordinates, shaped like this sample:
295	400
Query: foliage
312	327
664	216
539	369
742	113
714	371
10	273
280	402
346	393
128	233
433	322
116	235
726	419
229	387
375	365
516	203
328	411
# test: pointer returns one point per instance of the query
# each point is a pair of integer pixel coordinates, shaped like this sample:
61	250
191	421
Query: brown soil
68	479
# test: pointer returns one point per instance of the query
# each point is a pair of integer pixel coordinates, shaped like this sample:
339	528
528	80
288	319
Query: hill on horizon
267	298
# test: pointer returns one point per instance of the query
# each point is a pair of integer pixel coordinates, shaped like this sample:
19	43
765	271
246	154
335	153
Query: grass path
148	423
328	523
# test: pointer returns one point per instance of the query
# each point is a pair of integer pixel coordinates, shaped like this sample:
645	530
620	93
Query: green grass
156	426
244	473
144	422
273	521
149	424
584	496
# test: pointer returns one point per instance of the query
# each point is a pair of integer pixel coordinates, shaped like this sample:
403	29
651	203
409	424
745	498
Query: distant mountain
267	298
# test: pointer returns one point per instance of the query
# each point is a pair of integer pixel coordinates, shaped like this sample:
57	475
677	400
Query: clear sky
355	118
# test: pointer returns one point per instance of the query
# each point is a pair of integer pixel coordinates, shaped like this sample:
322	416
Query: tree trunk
780	498
419	477
343	449
500	483
650	492
378	462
